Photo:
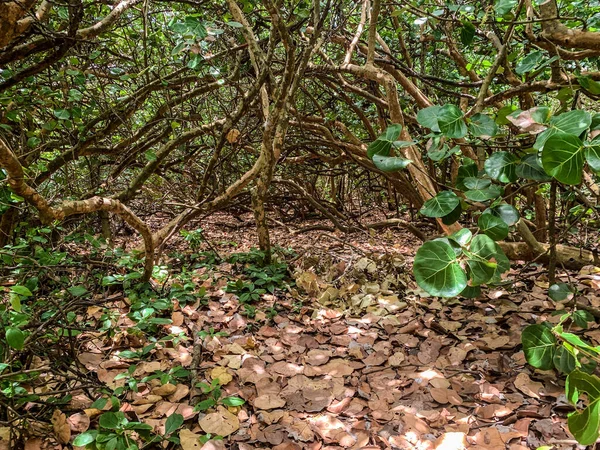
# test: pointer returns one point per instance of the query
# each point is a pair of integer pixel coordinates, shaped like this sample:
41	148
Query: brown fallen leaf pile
424	374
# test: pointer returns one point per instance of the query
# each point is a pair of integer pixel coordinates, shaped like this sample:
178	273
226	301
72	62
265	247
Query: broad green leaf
15	338
467	33
506	212
578	382
581	318
564	360
437	270
464	172
559	291
62	114
539	346
21	290
77	291
482	126
451	122
503	7
471	292
383	144
462	236
584	425
390	163
562	158
572	122
451	218
441	205
174	421
530	62
85	438
476	183
493	226
485	248
482	195
531	168
428	117
112	420
483	265
501	167
592	155
576	341
233	401
589	85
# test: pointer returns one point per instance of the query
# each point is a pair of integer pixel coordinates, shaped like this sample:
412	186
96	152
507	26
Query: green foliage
214	393
548	347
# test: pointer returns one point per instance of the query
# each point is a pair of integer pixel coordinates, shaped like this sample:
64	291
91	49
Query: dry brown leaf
527	386
222	374
61	427
79	422
268	401
317	357
286	369
181	392
233	135
164	390
451	441
189	440
334	368
301	431
33	444
221	423
488	439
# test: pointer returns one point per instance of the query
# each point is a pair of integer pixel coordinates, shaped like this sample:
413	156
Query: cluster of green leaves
549	347
116	432
214	395
262	278
459	264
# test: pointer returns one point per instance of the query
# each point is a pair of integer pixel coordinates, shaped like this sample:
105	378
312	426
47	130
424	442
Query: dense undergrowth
82	297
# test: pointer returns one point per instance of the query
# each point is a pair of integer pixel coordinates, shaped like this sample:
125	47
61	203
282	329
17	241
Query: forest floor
345	353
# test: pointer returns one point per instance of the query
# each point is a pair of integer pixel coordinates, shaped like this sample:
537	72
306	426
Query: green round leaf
111	420
441	205
501	166
476	183
471	292
383	144
21	290
562	158
484	248
482	126
464	172
437	271
174	421
15	338
493	226
572	122
592	155
506	212
233	401
559	291
539	346
428	117
564	361
482	195
530	168
453	216
390	163
451	122
85	438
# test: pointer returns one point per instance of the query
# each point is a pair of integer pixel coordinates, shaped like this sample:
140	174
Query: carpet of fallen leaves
356	358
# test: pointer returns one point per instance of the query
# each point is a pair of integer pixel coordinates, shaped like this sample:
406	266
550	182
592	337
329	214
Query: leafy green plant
555	347
114	433
246	291
214	393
